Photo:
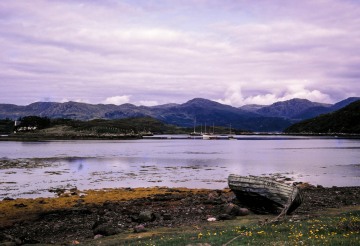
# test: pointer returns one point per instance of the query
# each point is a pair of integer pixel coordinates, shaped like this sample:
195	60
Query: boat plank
265	193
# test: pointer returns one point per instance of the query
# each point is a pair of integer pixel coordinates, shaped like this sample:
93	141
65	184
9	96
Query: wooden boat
262	194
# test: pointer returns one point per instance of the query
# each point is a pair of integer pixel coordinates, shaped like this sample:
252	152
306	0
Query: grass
340	229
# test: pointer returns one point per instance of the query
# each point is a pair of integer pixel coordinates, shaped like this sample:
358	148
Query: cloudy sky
149	52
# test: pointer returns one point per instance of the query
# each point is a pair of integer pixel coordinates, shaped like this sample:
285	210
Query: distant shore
45	137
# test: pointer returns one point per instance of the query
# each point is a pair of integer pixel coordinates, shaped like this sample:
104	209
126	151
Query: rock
167	216
211	219
106	230
225	217
29	241
97	236
146	216
213	195
157	216
233	209
20	205
244	212
139	228
8	199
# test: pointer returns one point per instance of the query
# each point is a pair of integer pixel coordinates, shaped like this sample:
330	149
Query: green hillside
345	120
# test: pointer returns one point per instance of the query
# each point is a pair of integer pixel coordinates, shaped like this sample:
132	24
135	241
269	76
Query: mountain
275	117
290	109
344	120
252	107
344	103
207	112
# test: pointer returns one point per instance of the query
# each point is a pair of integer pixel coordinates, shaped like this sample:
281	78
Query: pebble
139	228
97	236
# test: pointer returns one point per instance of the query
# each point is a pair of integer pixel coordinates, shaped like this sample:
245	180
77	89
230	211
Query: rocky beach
83	216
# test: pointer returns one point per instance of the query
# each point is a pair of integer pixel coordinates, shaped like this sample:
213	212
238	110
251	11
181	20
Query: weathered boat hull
264	195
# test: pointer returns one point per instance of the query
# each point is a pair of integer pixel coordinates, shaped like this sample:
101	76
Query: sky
155	52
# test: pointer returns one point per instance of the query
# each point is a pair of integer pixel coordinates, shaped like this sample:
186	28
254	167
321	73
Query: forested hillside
345	120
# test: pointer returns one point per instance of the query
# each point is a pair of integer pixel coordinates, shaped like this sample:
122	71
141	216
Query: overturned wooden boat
264	195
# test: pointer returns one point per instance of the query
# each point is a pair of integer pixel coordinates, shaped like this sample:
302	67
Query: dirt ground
77	216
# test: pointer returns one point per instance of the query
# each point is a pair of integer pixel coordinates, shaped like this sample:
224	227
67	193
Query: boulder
146	216
225	217
106	230
235	210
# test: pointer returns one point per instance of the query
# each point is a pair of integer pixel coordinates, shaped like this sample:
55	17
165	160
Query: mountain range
346	120
260	118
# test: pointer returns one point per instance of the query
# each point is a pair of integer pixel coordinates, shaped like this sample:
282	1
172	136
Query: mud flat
81	216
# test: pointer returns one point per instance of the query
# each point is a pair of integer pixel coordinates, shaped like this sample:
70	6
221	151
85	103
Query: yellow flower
200	235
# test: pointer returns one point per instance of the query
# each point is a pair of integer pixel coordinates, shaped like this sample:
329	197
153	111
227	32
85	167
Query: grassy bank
338	227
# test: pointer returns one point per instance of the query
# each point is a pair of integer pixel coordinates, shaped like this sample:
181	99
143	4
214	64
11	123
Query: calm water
176	163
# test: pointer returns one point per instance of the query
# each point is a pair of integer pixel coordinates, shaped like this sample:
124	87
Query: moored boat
262	194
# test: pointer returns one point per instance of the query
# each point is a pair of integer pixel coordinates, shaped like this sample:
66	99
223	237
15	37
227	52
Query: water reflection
185	163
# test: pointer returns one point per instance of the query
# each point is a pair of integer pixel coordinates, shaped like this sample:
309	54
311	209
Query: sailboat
206	135
230	134
194	133
209	136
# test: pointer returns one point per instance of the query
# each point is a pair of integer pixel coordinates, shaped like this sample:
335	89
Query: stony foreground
75	216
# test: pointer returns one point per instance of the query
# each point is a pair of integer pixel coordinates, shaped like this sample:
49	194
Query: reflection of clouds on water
174	163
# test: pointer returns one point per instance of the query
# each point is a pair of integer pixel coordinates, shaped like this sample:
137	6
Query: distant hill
290	109
344	103
252	107
258	118
318	110
345	120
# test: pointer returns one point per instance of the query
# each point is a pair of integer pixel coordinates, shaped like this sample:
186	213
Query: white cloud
149	103
234	96
117	100
299	91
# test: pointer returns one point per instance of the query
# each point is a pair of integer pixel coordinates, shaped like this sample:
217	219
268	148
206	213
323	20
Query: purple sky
156	51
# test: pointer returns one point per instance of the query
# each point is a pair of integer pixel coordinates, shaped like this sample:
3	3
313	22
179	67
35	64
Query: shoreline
43	137
75	215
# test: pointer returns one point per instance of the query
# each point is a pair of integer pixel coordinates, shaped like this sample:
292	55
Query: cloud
117	100
234	51
234	96
149	103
